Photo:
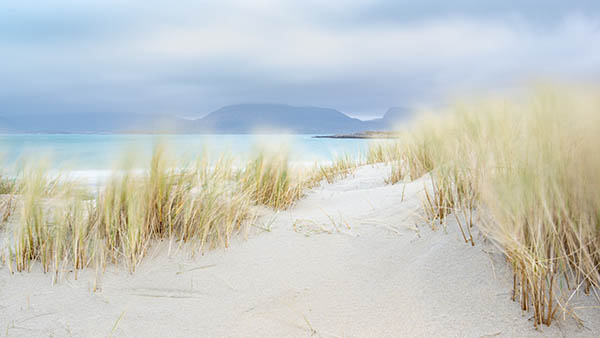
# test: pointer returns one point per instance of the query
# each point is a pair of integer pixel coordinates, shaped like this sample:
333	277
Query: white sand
379	278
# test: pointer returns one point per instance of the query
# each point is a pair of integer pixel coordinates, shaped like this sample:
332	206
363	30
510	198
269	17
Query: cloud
361	57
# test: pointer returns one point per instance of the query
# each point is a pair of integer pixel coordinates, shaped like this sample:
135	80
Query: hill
248	118
233	119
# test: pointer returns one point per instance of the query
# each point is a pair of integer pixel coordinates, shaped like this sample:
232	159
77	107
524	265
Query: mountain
233	119
248	118
392	117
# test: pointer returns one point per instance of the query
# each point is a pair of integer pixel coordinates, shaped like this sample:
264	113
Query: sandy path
377	278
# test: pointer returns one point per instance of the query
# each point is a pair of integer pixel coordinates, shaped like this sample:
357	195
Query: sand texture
346	261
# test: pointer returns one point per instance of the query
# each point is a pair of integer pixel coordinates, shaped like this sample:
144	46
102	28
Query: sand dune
351	259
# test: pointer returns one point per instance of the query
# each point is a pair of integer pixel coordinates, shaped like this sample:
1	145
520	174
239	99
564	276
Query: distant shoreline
363	135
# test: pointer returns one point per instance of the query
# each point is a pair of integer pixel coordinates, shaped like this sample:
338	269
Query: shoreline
363	135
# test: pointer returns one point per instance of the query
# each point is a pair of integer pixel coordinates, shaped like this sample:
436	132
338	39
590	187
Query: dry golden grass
271	181
383	151
339	168
532	168
59	226
57	223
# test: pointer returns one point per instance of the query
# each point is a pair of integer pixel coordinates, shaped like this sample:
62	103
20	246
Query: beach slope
351	259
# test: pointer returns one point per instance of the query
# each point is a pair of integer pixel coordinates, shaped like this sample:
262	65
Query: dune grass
342	166
56	222
199	204
531	170
271	181
62	228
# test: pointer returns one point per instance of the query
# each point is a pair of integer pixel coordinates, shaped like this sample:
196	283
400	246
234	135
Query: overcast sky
191	57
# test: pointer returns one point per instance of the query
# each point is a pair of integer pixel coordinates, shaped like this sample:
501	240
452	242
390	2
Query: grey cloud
545	13
188	57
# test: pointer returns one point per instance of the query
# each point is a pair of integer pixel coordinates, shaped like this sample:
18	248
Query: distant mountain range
233	119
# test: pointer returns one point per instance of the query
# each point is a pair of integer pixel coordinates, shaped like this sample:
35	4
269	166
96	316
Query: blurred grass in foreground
531	170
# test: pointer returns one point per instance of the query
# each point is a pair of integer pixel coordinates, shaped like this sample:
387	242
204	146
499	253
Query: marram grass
57	223
201	204
342	166
531	169
271	181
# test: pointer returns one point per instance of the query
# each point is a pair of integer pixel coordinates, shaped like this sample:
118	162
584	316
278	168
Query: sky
188	58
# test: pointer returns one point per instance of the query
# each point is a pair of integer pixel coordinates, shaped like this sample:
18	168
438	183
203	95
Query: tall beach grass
62	228
530	169
54	221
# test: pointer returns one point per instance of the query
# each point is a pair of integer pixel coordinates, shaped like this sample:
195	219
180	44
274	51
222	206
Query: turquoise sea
99	152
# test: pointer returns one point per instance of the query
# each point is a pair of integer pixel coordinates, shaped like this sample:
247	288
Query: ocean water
97	153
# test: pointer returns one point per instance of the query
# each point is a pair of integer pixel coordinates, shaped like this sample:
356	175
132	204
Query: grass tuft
61	227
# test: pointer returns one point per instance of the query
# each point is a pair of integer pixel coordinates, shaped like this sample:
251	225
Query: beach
353	258
300	169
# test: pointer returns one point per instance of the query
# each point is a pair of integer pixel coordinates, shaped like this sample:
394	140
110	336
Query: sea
94	156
